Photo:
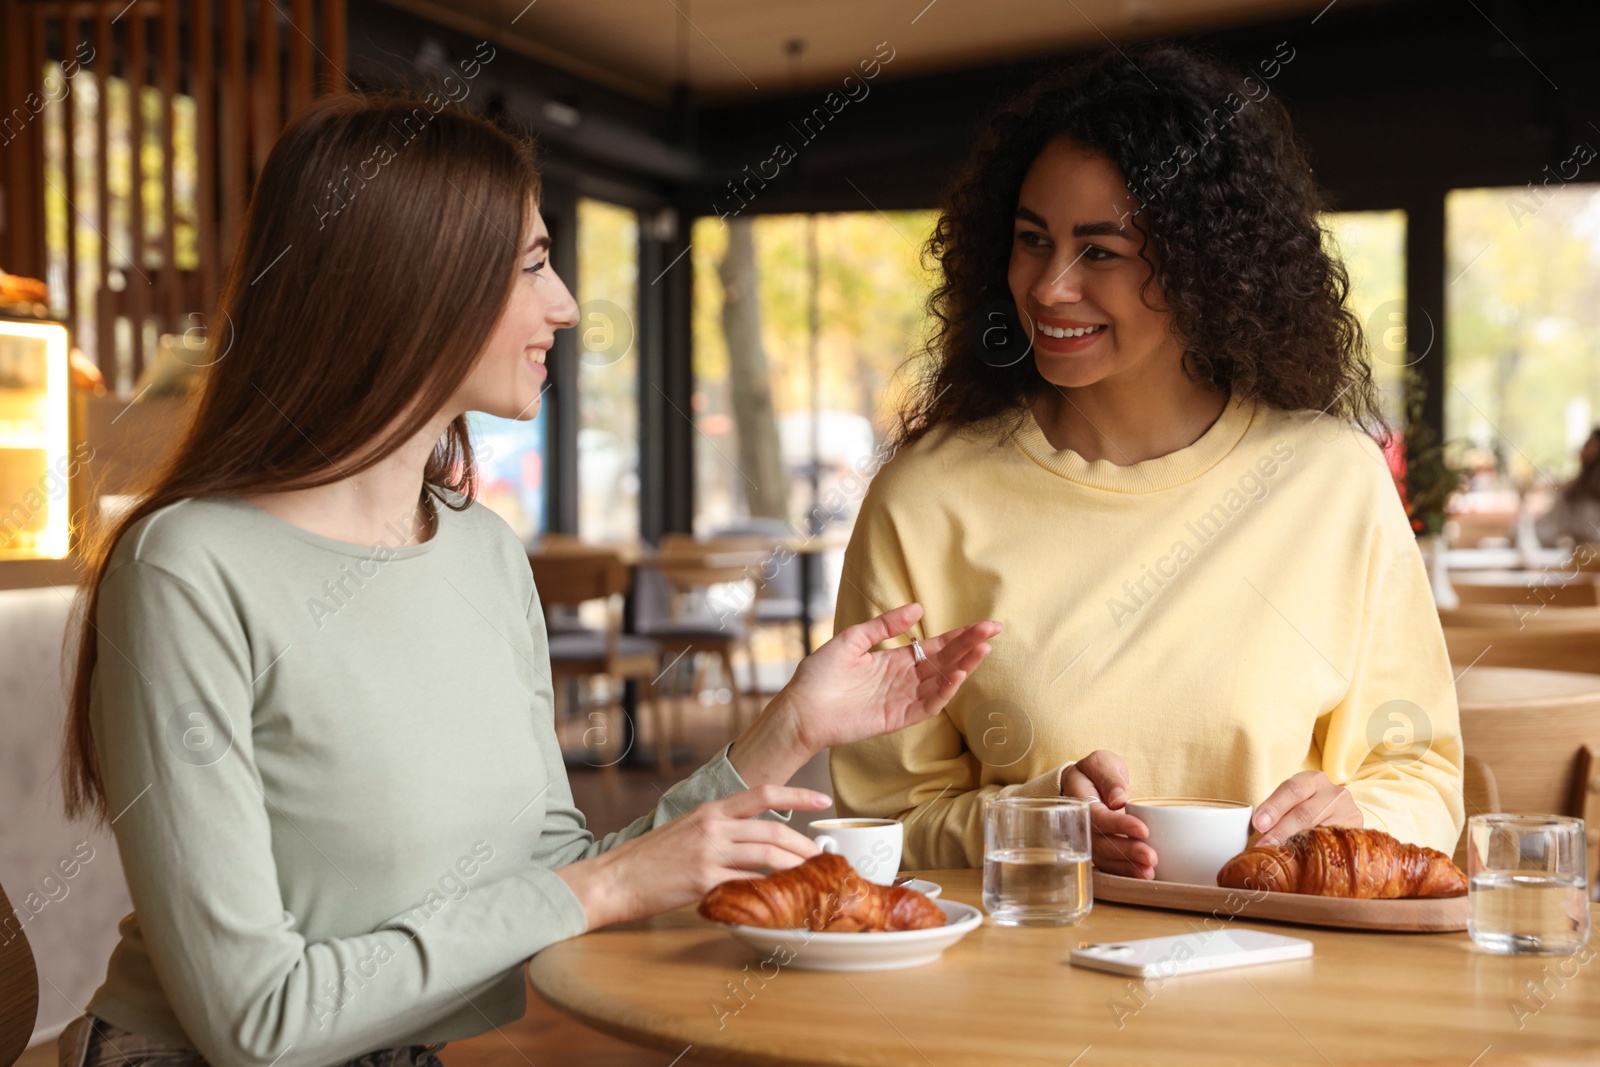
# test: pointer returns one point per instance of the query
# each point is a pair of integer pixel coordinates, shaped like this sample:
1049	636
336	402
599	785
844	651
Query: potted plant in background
1426	478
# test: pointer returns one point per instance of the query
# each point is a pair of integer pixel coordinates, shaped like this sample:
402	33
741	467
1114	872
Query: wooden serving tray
1415	915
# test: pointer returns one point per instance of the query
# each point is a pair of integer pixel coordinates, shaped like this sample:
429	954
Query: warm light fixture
39	424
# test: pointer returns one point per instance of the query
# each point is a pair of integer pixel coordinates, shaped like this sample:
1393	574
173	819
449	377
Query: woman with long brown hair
312	693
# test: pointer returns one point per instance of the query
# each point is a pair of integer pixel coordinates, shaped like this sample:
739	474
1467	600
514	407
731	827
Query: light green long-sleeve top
336	785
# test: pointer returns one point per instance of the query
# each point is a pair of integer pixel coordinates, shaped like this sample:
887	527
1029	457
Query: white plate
923	886
807	951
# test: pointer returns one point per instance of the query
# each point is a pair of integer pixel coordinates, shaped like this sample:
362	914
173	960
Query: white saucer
807	951
923	886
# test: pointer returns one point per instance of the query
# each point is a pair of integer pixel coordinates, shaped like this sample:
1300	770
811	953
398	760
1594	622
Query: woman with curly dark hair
1141	442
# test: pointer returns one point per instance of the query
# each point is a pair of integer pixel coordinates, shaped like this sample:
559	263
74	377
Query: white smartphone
1202	950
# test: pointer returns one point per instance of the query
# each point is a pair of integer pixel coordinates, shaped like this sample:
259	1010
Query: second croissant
1343	861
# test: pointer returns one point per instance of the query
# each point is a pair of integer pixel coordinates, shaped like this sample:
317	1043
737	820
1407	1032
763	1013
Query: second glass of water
1036	860
1528	883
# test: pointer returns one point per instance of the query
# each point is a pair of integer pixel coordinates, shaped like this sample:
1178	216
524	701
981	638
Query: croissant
1344	861
822	894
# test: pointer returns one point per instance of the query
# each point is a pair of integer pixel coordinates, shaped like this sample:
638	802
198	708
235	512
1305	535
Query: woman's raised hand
1115	836
846	692
678	862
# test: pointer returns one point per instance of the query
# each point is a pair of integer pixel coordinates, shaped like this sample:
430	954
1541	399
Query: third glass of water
1528	881
1036	860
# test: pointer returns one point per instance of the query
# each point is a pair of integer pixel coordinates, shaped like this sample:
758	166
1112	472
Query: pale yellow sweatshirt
1221	617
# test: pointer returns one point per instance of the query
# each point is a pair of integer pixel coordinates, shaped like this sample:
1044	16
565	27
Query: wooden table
806	549
1513	579
1522	688
1006	995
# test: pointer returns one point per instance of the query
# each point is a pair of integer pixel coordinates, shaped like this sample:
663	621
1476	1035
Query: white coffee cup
1194	837
871	845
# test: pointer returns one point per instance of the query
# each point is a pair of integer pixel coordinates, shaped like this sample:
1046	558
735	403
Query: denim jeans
89	1041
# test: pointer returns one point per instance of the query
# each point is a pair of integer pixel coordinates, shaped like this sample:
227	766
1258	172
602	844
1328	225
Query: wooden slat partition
201	83
19	146
233	125
265	83
135	283
104	69
69	172
300	85
248	65
333	48
170	283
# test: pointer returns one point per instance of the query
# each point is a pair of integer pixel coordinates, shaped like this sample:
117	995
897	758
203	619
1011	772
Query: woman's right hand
678	863
1116	837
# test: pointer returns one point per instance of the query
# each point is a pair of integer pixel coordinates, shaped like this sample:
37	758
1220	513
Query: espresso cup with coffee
871	845
1193	837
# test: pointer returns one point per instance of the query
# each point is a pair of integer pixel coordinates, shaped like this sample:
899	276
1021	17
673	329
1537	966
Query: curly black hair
1225	199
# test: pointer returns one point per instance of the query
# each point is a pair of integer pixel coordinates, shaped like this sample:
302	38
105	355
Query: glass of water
1036	860
1528	880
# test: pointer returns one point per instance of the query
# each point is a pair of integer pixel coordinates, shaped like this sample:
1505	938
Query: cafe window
1372	245
512	468
791	412
1522	302
608	372
871	291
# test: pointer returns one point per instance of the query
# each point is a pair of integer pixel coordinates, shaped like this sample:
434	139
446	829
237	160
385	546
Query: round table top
637	553
1516	686
1008	995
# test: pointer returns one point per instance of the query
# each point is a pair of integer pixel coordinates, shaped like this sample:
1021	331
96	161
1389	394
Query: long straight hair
378	250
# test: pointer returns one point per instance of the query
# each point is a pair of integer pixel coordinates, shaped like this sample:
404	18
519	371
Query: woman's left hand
1307	799
846	692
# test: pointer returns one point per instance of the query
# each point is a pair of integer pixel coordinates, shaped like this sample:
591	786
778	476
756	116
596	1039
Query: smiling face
509	378
1075	273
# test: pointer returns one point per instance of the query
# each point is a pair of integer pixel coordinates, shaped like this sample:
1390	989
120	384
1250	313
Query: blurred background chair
1472	529
1534	736
710	613
560	618
570	576
778	592
1556	639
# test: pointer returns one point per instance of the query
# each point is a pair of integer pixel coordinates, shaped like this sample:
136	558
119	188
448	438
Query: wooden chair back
1586	558
1533	748
1468	530
689	564
1540	755
19	985
570	577
560	542
1519	617
1534	596
1544	647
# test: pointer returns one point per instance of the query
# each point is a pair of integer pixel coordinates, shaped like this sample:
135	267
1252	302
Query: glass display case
34	439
